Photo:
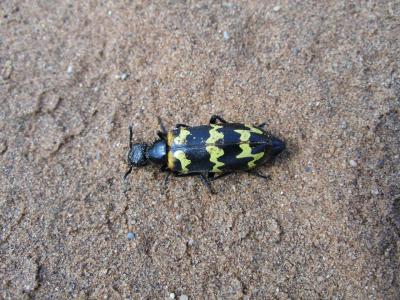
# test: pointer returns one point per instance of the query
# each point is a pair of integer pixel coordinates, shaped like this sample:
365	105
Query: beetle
207	151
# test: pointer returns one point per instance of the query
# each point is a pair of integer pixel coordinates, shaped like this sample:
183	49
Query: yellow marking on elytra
181	138
180	155
214	134
246	152
244	134
254	129
171	162
215	153
170	138
246	149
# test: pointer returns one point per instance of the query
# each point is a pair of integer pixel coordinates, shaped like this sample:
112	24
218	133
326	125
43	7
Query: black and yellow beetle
208	151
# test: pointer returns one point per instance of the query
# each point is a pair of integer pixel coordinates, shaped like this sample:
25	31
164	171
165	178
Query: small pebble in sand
124	76
3	147
343	125
381	163
183	297
7	70
172	296
226	35
276	8
296	51
353	163
375	192
131	236
70	69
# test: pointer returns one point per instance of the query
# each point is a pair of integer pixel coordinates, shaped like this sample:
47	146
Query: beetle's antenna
128	172
130	136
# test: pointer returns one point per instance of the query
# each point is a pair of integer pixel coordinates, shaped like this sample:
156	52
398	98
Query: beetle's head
137	155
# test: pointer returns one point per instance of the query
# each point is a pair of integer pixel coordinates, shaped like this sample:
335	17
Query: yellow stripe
180	155
244	134
214	151
254	129
214	134
246	152
246	149
170	138
181	138
171	161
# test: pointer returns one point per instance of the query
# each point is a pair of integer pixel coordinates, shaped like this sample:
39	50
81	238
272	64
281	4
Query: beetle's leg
164	168
161	135
163	130
220	176
179	125
262	125
255	173
215	118
128	172
130	147
185	175
166	179
207	183
203	178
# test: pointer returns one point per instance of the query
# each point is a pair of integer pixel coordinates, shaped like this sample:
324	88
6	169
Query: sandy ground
324	76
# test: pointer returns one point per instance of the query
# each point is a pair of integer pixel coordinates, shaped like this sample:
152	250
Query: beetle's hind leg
215	118
262	125
212	176
258	174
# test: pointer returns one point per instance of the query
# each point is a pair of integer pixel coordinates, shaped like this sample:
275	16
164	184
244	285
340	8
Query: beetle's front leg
162	135
163	130
166	180
164	169
179	125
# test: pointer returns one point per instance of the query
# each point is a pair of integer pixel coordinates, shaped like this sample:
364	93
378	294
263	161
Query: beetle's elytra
208	151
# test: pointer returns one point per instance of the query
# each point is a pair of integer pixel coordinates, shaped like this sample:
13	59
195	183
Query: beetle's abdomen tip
277	146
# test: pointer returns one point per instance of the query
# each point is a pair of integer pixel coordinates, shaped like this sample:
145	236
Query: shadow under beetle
207	151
